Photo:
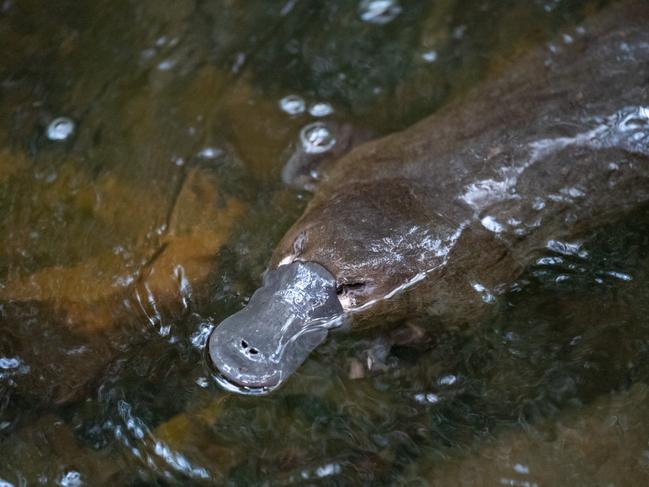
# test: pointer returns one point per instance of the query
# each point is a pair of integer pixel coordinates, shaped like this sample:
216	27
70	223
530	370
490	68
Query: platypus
441	218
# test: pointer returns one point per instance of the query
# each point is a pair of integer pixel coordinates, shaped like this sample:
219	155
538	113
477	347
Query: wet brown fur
416	177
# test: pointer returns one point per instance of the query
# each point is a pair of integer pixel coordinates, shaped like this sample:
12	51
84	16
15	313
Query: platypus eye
351	287
349	293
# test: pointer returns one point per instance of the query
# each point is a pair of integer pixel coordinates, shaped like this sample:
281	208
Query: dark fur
358	221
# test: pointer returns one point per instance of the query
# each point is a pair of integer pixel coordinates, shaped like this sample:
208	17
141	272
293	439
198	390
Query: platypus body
442	217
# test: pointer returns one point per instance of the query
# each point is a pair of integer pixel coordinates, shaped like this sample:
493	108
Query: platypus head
256	349
351	250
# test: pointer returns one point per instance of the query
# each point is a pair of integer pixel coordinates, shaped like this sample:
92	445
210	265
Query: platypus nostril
248	349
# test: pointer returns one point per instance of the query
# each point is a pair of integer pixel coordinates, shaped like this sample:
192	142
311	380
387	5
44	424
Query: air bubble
316	138
379	11
447	380
430	56
210	153
71	478
60	128
292	104
167	64
321	109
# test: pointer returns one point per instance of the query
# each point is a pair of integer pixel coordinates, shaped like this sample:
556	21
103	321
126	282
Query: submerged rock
27	457
603	443
93	308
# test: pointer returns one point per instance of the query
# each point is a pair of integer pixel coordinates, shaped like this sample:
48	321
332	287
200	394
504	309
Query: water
148	213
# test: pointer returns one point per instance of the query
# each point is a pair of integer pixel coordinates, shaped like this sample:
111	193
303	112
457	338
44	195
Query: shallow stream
141	152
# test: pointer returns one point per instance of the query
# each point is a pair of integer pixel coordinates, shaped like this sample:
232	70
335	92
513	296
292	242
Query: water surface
141	149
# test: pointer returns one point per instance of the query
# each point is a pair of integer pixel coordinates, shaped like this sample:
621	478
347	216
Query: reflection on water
141	154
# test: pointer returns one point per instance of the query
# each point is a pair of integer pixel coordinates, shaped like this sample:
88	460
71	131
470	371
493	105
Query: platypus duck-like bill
258	348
